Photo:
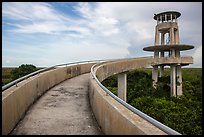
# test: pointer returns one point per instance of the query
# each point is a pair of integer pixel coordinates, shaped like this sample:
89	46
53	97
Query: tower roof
168	13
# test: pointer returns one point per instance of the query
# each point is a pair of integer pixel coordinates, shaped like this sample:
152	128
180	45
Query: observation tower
167	50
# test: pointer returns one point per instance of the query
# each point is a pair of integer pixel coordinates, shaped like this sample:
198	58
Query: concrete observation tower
167	50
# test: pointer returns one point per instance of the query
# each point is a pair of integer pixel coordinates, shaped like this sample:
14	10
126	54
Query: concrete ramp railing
19	95
114	115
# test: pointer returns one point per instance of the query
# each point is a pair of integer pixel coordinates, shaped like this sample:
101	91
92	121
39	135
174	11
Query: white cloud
8	61
67	52
197	57
35	17
31	11
105	30
85	10
104	25
93	19
40	27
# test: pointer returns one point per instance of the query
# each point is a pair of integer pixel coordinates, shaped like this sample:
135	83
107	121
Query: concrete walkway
63	110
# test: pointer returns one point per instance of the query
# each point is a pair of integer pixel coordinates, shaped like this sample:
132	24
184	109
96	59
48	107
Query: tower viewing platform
167	41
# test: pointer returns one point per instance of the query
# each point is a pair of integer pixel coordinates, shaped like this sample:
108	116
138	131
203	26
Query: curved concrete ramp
63	110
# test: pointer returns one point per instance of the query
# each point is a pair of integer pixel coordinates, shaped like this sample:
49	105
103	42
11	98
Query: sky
51	33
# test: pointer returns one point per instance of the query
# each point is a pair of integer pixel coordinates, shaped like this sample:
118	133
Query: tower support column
179	80
156	55
156	36
155	75
162	55
173	80
177	36
172	38
122	86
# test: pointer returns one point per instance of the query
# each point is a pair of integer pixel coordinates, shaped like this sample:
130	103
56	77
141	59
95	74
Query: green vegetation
22	70
6	75
10	74
183	114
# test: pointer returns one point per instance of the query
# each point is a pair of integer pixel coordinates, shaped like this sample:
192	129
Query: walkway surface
63	110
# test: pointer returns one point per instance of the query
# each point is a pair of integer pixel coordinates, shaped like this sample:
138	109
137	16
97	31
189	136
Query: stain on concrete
63	110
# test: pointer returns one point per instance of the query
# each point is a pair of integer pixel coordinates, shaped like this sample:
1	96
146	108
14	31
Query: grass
6	75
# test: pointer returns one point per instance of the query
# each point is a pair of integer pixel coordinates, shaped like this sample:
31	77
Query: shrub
22	70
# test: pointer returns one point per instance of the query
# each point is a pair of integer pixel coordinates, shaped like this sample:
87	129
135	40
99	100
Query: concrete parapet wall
17	99
107	69
172	60
113	117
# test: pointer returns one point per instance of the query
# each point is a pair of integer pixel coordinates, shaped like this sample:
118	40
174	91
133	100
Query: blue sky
46	34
